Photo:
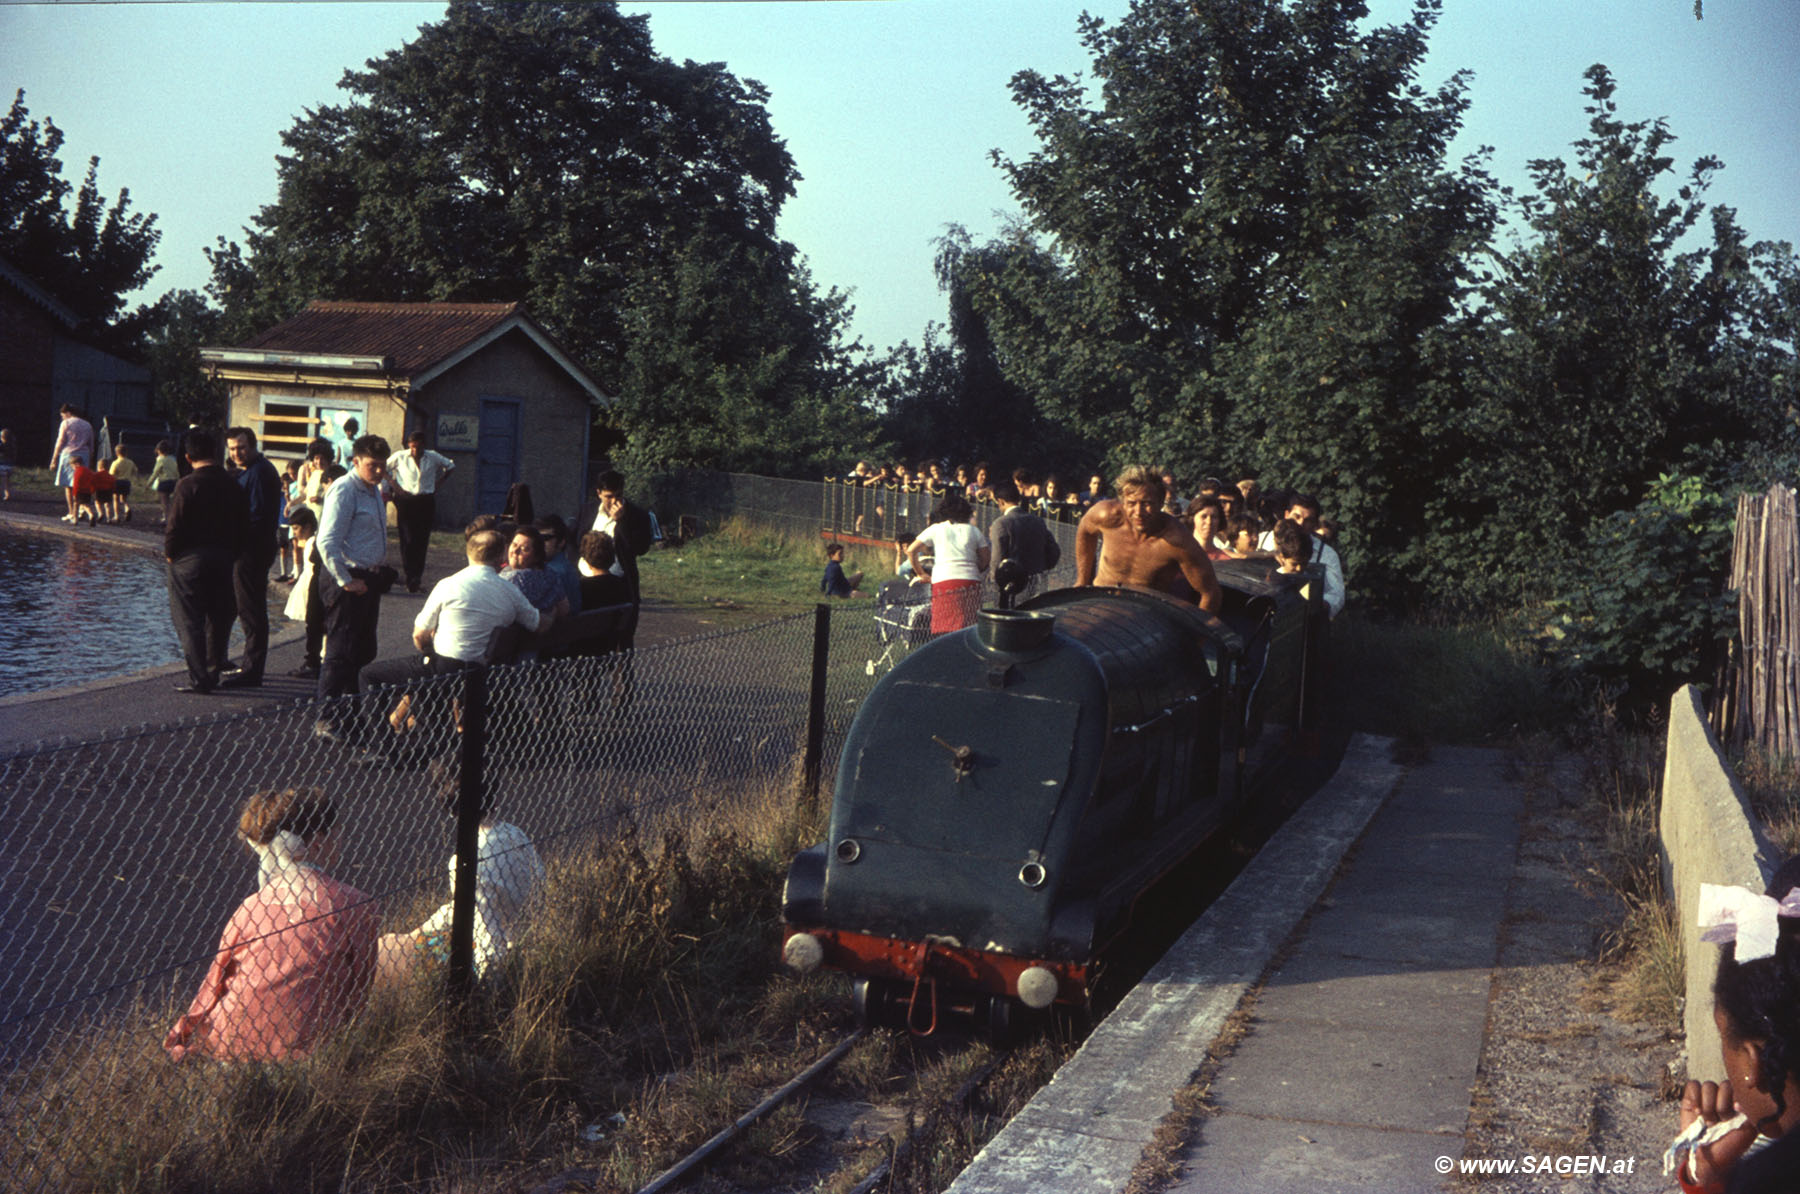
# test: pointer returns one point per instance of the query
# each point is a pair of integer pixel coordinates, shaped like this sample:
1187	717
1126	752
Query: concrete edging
1085	1131
1709	835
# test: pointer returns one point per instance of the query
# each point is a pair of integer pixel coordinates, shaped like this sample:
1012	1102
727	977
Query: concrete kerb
1085	1132
1709	835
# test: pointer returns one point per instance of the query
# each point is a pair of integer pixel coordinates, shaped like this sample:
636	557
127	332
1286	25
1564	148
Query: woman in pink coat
297	956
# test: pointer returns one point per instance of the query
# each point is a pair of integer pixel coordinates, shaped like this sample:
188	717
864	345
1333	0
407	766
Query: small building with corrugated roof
492	390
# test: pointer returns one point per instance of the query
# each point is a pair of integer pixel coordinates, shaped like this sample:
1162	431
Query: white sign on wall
457	433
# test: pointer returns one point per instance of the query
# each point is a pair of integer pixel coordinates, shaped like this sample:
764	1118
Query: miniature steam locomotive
1008	792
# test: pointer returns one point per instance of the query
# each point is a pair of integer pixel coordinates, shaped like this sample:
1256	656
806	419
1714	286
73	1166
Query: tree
543	153
181	322
735	361
90	257
1240	256
1610	354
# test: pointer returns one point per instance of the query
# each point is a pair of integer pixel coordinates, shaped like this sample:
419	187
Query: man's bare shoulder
1106	514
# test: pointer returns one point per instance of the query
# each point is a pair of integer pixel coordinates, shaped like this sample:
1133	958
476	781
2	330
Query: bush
1647	609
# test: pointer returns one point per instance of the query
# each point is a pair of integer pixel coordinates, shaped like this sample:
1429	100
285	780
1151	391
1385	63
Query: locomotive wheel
879	1003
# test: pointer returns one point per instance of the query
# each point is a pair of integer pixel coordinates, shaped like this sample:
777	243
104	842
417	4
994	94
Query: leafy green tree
1611	355
1239	256
90	256
735	361
544	153
182	321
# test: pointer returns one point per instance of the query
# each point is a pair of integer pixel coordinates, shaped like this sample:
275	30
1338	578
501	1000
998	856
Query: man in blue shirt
261	484
352	544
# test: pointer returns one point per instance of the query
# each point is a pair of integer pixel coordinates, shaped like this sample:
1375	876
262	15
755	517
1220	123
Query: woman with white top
959	559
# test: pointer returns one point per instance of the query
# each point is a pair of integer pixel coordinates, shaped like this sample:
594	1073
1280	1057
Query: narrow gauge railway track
912	1122
897	1149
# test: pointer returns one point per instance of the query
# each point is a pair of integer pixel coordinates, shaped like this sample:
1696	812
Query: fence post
470	791
815	708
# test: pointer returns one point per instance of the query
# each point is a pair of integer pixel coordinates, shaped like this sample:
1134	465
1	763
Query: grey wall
1709	835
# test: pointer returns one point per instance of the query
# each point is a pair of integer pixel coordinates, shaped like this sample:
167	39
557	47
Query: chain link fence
834	509
122	861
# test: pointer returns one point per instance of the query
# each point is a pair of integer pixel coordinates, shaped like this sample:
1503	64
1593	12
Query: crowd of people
1138	530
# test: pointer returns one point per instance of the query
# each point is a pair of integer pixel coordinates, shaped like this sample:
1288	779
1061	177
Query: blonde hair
1141	476
304	812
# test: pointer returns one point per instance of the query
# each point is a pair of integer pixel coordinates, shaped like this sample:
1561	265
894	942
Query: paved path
1361	1055
1360	1043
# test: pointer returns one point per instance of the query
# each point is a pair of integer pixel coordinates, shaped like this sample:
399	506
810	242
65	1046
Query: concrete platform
1364	976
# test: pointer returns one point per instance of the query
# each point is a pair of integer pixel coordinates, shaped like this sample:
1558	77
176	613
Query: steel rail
674	1173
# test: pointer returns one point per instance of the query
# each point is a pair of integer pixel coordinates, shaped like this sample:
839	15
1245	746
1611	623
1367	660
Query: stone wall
1708	836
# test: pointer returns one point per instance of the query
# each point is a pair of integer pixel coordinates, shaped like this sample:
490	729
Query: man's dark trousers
414	515
250	584
201	606
350	645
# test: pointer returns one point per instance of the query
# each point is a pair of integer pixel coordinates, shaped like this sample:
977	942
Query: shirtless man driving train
1129	540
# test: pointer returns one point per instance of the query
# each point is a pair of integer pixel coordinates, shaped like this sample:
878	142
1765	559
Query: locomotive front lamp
1037	987
803	952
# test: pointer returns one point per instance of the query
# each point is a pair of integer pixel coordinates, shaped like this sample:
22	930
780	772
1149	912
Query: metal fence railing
122	864
833	509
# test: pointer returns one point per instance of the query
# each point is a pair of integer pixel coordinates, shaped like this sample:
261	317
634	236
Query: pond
73	611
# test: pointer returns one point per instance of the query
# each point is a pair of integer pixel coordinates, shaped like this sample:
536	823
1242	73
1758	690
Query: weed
1453	684
1771	782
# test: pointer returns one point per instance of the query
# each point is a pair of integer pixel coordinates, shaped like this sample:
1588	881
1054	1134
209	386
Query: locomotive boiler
1007	793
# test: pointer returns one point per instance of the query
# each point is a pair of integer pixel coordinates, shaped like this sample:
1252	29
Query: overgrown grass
1621	777
1772	784
642	1010
1466	684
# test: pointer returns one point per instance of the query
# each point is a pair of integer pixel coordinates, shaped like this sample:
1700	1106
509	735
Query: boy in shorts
124	471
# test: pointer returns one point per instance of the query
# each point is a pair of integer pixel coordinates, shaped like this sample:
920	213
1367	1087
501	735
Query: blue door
496	454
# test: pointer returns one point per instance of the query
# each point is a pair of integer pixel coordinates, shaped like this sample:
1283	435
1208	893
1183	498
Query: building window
289	424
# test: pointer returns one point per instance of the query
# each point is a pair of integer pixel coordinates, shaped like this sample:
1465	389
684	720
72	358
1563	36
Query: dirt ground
1561	1075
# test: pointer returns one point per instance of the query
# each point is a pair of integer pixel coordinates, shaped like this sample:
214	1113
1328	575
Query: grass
1771	782
739	566
1465	684
645	1003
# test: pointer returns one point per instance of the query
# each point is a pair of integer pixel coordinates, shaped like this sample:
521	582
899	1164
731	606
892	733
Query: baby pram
902	621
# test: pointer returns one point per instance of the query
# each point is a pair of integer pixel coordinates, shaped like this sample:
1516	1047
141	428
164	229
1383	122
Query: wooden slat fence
1759	696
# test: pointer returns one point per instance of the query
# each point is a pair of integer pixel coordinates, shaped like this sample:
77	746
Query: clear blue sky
889	106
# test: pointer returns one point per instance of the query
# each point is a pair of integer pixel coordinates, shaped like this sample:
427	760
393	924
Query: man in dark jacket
208	527
1019	534
262	487
628	525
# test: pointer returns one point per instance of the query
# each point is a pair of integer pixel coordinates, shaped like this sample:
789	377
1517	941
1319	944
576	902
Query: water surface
73	610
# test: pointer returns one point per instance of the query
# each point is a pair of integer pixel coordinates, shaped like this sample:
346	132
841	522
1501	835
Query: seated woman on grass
508	873
297	956
1742	1135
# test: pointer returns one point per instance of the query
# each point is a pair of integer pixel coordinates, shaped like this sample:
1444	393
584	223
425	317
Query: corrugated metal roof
413	336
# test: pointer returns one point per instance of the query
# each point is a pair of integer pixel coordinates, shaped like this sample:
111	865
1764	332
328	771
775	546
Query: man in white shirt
1304	511
451	632
413	478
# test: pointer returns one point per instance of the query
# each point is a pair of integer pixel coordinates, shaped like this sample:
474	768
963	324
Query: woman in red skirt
959	559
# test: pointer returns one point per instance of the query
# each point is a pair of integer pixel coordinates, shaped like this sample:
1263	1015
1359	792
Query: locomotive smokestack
1012	631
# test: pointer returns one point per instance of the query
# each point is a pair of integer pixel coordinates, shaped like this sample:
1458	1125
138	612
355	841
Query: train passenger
1241	532
1304	511
297	956
1021	535
1742	1135
960	557
1129	540
1208	519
